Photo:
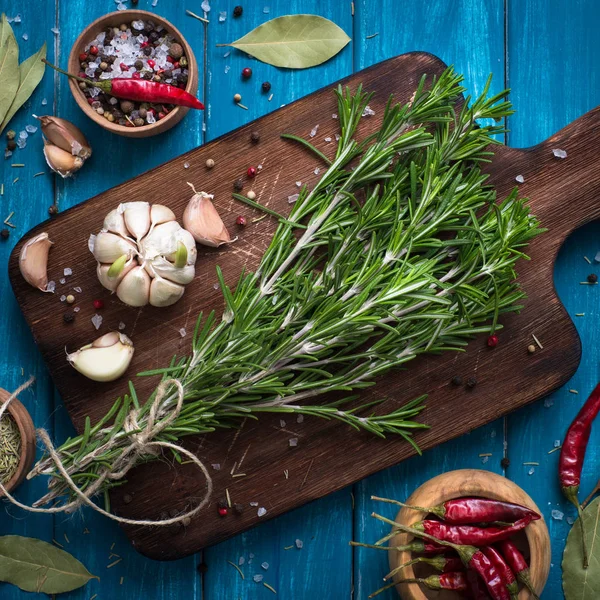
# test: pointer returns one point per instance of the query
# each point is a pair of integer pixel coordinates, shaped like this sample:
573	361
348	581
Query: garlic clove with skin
105	359
61	161
114	222
134	288
65	135
161	267
137	218
164	293
108	247
202	220
33	261
161	214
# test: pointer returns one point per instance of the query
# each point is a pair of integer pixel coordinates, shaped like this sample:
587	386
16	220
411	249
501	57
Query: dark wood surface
328	456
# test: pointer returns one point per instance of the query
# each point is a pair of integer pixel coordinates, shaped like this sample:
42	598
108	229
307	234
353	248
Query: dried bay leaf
580	583
31	72
293	41
9	69
36	566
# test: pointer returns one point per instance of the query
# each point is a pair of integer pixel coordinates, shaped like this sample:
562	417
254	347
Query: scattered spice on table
237	569
537	341
587	260
191	14
10	447
572	391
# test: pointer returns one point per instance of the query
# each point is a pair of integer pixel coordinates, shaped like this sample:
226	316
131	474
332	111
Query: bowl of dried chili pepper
491	540
133	73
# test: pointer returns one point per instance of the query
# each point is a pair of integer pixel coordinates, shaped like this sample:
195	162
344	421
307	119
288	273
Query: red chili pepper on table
470	534
505	571
572	455
472	558
465	511
140	90
518	564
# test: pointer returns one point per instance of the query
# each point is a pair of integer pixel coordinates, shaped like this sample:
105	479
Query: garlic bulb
105	359
144	255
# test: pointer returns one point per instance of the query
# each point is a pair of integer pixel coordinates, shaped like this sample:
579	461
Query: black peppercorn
134	2
153	37
69	316
53	210
4	234
222	504
139	65
237	11
457	380
266	87
238	185
202	568
471	382
505	463
127	499
238	508
592	278
11	145
168	73
255	137
147	50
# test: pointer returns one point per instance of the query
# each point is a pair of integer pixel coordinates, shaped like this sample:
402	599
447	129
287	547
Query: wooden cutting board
564	195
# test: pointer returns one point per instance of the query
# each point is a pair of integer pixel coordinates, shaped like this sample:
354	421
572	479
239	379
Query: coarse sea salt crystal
484	459
31	128
368	111
51	286
17	19
570	520
328	139
531	471
558	515
293	198
25	36
121	7
23	134
281	423
150	118
112	100
337	137
216	286
264	565
317	171
186	165
300	419
77	309
557	443
44	101
334	116
262	511
299	544
222	16
55	30
121	325
520	179
227	54
241	561
216	466
293	442
8	153
97	321
548	402
298	184
62	280
253	504
205	6
63	298
138	25
154	3
182	332
77	289
21	143
266	10
559	153
258	578
314	130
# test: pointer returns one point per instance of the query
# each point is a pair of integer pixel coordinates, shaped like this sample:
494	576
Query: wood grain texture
469	483
155	331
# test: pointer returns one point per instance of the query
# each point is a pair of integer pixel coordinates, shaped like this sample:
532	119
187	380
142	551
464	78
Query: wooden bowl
112	20
534	542
23	420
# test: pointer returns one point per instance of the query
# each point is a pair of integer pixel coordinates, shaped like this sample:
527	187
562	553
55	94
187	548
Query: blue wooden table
545	50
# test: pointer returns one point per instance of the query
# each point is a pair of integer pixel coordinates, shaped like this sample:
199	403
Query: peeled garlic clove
33	260
115	223
105	359
161	214
60	161
134	288
108	247
164	293
163	268
112	283
66	136
137	218
202	220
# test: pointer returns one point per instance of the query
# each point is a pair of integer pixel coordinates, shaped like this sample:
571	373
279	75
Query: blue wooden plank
472	39
323	567
549	44
29	198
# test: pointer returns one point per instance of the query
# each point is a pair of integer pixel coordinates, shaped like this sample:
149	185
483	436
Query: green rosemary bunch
403	250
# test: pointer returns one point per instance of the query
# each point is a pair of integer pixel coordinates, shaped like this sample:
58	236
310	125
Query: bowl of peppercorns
132	44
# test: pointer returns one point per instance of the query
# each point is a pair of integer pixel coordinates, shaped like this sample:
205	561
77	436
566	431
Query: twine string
160	416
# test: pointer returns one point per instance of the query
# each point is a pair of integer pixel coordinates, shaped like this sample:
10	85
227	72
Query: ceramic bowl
114	19
534	542
27	430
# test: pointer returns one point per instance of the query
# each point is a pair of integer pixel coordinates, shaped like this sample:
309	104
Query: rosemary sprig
405	251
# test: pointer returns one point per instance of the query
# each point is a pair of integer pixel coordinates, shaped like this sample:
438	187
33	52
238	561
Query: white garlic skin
149	237
105	359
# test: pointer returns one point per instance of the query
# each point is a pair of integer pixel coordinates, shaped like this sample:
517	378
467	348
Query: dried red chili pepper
465	511
505	571
446	581
572	454
140	90
477	589
443	564
471	557
518	564
470	534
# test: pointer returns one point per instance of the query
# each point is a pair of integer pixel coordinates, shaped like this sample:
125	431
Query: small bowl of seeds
132	44
17	443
